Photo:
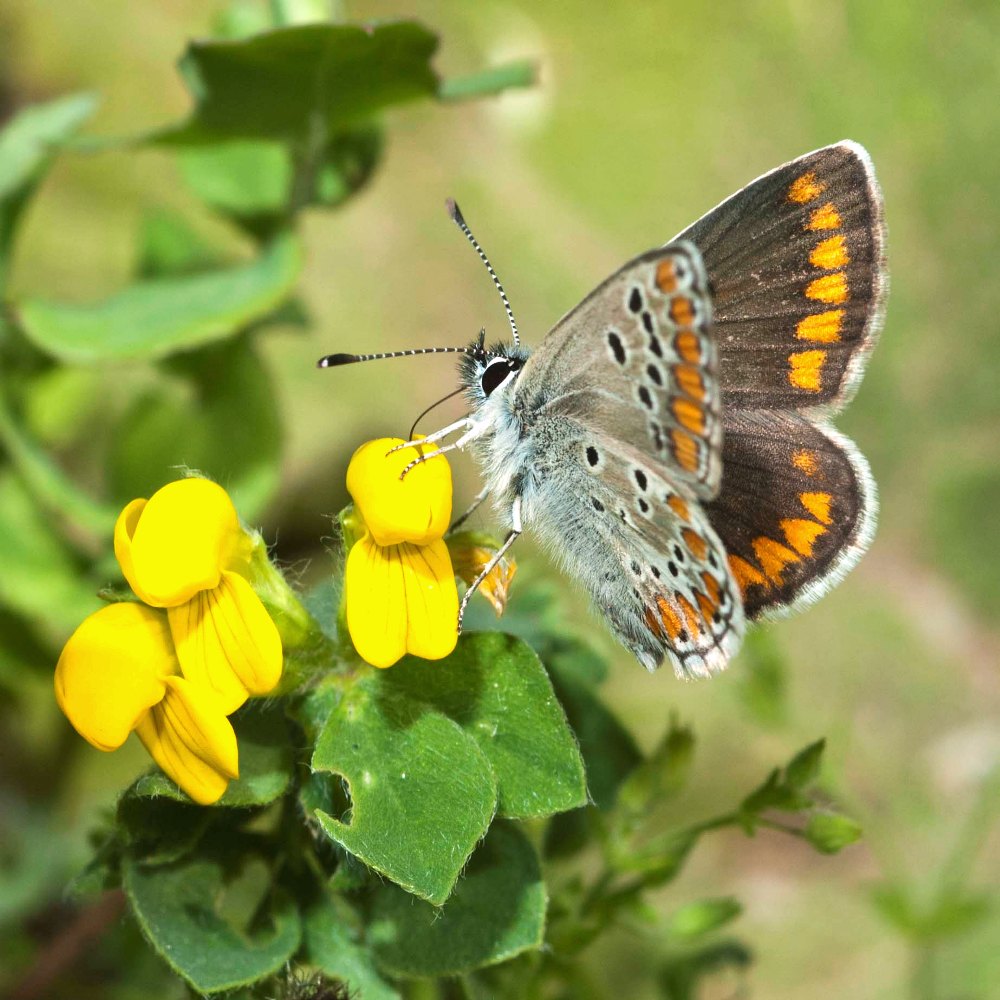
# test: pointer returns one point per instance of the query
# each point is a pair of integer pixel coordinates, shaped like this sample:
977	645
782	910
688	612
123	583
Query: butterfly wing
796	264
796	509
635	361
643	549
796	267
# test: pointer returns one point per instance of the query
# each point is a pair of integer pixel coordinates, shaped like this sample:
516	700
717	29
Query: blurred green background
646	115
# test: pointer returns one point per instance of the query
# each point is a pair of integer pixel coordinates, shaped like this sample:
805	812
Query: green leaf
265	762
297	83
159	316
27	145
169	246
662	774
680	976
252	181
495	688
803	769
496	912
177	907
422	791
40	579
332	944
830	832
703	917
159	825
219	415
608	749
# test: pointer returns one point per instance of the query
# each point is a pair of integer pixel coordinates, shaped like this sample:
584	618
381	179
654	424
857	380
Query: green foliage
474	823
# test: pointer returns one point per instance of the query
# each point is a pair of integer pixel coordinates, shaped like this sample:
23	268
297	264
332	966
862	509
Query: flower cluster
175	666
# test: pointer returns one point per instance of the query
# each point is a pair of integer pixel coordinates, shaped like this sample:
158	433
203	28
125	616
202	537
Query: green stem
488	82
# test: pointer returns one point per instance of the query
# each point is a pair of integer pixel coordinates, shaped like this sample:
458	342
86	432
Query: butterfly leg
515	518
474	430
473	507
463	424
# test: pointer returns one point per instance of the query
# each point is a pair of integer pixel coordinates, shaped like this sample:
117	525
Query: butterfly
669	439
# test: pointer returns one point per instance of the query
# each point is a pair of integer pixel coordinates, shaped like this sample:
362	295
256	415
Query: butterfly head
488	372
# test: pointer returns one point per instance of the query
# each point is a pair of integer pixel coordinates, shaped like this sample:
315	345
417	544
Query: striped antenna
456	216
334	360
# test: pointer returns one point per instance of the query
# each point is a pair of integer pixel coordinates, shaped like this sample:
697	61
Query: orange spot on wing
689	415
746	575
805	368
805	461
679	507
706	605
690	381
818	504
691	617
685	449
688	346
830	253
823	327
801	534
831	288
824	217
712	586
669	617
666	276
773	557
805	188
695	543
682	311
652	622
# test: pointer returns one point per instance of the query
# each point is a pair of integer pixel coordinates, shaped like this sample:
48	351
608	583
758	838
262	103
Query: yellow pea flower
399	585
173	668
184	550
118	673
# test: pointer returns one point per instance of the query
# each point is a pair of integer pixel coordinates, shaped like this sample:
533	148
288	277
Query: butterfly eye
496	373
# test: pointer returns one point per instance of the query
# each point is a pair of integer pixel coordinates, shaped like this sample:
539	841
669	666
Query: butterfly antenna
443	399
456	215
334	360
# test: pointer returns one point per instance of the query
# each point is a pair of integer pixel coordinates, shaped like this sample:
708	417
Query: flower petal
416	508
376	602
112	671
124	530
192	741
431	600
180	542
226	640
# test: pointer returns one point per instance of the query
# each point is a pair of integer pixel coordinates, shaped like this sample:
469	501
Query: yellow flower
119	673
174	670
399	585
184	550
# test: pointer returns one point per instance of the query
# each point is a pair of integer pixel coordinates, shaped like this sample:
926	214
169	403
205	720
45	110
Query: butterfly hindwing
641	545
636	360
796	509
796	269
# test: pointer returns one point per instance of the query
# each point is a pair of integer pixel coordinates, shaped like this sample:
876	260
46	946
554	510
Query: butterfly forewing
795	263
636	361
